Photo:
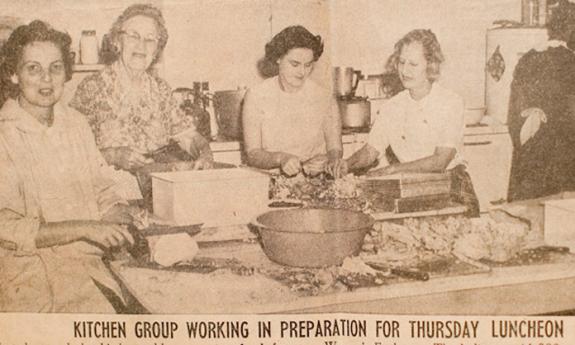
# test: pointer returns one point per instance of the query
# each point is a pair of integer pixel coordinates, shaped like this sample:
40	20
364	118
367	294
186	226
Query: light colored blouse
50	174
414	129
304	123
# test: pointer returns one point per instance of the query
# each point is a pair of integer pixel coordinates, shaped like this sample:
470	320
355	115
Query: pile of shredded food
420	238
320	192
490	240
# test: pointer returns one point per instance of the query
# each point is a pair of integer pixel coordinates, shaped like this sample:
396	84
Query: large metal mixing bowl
312	237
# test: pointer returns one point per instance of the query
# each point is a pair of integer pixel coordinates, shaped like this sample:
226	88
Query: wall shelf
80	68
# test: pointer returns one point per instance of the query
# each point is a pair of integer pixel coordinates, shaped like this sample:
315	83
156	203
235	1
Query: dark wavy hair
111	53
561	25
431	51
12	50
289	38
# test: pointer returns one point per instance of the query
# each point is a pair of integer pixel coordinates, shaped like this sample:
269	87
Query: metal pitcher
345	81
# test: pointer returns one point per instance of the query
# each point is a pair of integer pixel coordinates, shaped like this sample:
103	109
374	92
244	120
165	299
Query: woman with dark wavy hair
13	52
289	121
129	108
420	129
58	208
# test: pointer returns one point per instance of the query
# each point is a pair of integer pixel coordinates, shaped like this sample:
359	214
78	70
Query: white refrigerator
504	48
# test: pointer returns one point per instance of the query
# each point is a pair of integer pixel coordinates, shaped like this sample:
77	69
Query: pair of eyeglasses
35	69
134	38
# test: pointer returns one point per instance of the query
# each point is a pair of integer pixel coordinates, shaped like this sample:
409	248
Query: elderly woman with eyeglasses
130	109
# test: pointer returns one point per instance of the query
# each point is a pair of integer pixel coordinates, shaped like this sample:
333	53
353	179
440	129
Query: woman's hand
203	163
315	165
125	158
534	117
100	233
290	164
123	214
106	234
336	167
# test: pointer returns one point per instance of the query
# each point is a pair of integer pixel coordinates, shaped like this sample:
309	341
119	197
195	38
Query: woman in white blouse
420	129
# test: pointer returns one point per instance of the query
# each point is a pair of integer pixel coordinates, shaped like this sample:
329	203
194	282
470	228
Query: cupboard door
218	41
489	163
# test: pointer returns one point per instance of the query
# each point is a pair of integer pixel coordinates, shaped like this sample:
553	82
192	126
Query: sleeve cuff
109	194
25	233
186	136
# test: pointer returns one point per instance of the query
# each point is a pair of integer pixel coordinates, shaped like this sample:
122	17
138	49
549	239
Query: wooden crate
408	185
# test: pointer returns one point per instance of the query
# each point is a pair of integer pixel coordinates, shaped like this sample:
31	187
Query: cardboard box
559	227
213	197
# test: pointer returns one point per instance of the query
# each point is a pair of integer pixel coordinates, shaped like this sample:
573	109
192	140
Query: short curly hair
431	51
111	53
12	50
561	25
289	38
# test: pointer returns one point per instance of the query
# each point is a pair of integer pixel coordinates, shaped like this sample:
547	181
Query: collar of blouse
12	111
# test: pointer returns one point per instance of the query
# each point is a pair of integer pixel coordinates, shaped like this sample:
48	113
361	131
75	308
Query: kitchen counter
520	290
230	151
516	290
470	130
223	145
482	129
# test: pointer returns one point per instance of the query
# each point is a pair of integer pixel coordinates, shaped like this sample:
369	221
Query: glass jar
543	13
89	47
530	12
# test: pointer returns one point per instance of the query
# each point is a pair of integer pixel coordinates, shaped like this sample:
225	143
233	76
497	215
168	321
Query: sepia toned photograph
227	157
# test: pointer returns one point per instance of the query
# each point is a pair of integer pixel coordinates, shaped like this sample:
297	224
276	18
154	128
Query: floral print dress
143	118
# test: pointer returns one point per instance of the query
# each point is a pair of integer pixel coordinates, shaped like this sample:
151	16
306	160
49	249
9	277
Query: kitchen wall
71	16
366	31
220	41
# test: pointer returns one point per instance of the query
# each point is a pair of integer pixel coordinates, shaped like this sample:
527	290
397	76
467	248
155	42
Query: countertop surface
470	130
463	288
516	290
